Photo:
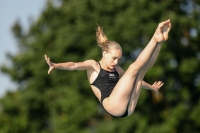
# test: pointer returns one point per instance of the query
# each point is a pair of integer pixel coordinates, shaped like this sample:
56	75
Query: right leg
116	103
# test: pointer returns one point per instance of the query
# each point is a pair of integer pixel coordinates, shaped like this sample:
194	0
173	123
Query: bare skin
127	90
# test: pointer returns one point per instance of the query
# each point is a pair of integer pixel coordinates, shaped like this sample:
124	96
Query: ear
104	54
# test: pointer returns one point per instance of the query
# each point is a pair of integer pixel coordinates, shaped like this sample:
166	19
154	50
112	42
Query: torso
92	74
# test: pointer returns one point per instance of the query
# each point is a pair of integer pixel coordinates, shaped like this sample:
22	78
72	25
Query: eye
116	58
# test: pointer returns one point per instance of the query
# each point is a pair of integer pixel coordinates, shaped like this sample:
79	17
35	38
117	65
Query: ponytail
103	42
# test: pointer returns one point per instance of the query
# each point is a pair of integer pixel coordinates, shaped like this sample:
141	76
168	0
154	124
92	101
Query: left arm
154	87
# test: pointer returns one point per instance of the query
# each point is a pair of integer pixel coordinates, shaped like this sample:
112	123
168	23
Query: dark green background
63	102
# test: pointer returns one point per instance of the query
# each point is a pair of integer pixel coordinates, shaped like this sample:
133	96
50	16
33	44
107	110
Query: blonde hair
103	42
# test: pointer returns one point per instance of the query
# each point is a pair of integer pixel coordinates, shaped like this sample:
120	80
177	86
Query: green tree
63	101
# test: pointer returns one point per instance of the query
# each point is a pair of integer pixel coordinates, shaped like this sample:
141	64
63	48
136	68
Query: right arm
88	64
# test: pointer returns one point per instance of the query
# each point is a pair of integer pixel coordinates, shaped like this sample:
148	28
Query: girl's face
111	58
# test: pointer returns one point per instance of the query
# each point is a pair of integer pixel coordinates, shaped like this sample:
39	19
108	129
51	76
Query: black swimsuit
106	82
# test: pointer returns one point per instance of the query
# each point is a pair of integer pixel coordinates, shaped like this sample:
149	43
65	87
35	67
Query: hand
51	65
157	85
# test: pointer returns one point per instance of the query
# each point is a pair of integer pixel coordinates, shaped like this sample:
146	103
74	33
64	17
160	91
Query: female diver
116	89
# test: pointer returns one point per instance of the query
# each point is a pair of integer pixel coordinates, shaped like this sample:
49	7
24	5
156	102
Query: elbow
72	67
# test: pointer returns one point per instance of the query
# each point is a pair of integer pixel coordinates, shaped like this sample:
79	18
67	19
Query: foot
161	33
166	29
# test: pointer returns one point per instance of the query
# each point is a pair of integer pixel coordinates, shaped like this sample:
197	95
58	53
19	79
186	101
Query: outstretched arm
155	86
88	64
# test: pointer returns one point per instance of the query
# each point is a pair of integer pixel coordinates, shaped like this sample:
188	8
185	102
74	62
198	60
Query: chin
112	67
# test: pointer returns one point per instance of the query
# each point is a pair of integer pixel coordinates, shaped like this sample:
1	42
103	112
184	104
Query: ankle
154	39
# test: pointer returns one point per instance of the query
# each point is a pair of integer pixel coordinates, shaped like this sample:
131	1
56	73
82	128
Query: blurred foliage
62	102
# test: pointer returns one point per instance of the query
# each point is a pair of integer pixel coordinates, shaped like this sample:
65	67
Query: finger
49	70
167	21
169	25
45	57
157	83
48	59
161	84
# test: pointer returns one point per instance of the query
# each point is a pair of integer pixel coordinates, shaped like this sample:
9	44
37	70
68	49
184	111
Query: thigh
116	103
136	92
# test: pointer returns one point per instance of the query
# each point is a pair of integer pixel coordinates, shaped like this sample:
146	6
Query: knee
134	69
137	71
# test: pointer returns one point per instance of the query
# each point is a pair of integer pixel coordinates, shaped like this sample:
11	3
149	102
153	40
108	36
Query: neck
104	66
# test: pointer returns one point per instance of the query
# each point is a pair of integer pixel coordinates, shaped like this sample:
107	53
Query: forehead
116	52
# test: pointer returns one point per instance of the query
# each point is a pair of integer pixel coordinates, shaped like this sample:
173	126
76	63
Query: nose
116	61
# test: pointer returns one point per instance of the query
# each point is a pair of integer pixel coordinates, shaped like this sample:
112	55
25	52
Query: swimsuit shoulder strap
99	64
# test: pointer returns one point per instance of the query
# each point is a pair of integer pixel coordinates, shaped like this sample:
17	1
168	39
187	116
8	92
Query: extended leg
137	86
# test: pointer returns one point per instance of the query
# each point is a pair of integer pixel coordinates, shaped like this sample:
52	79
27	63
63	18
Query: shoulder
92	63
119	70
93	71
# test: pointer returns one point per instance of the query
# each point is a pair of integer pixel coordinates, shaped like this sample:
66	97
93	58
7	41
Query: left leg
138	81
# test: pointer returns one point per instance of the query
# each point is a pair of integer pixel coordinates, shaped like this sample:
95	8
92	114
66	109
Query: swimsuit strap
99	64
103	69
